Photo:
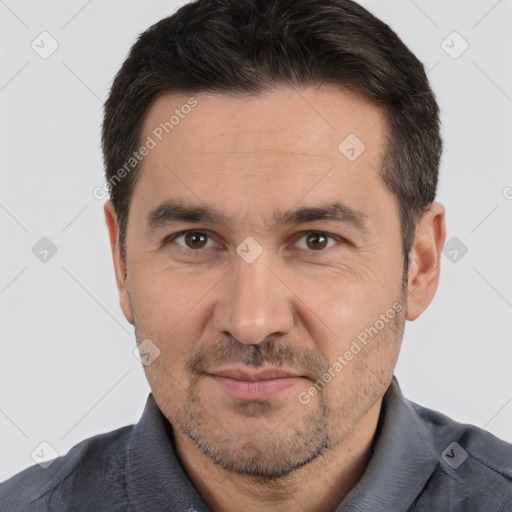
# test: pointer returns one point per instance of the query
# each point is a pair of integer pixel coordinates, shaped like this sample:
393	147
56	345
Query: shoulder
92	465
474	465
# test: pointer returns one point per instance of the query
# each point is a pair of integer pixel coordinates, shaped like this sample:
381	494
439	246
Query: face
264	270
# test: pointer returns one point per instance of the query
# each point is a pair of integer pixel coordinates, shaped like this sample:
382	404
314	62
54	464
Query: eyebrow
170	212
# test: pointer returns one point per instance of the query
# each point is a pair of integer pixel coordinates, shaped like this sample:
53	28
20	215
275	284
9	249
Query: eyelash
173	237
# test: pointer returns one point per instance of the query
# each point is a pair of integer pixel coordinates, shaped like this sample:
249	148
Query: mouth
258	385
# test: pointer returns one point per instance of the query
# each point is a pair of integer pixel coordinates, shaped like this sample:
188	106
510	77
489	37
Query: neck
319	486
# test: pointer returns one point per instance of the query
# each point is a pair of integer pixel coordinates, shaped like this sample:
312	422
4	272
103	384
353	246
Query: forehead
308	122
264	150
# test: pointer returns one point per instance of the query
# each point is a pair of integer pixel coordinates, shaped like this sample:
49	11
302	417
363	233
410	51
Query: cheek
172	311
362	349
345	301
167	295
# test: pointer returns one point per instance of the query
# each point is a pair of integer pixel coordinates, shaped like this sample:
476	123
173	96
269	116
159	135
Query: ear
120	266
425	260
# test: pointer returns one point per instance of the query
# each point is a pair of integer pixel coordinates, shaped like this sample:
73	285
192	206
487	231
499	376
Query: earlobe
425	260
120	265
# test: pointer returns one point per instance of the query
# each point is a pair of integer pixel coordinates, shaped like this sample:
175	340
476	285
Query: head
272	169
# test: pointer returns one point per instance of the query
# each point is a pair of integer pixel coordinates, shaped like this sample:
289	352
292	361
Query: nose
253	303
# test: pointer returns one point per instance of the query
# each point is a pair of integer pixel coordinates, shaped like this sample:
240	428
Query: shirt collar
403	459
156	480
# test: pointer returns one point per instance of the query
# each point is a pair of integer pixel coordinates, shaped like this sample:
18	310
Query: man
273	167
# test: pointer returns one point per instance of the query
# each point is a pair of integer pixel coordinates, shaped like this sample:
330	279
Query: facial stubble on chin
256	452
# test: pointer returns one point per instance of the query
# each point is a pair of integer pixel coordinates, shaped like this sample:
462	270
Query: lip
266	374
258	385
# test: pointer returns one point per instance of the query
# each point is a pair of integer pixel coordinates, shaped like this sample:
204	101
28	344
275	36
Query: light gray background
67	366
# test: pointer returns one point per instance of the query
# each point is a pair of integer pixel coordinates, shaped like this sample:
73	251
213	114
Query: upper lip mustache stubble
267	374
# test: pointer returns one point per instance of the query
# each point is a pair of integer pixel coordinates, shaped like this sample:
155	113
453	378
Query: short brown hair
254	46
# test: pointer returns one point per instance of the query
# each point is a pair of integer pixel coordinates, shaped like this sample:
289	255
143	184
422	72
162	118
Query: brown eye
316	241
192	240
195	240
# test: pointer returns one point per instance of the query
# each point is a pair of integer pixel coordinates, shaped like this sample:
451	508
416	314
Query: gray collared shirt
421	461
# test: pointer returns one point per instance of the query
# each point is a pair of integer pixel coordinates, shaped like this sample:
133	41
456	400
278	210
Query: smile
255	386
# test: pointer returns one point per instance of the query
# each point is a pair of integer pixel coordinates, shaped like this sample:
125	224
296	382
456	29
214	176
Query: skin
298	306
